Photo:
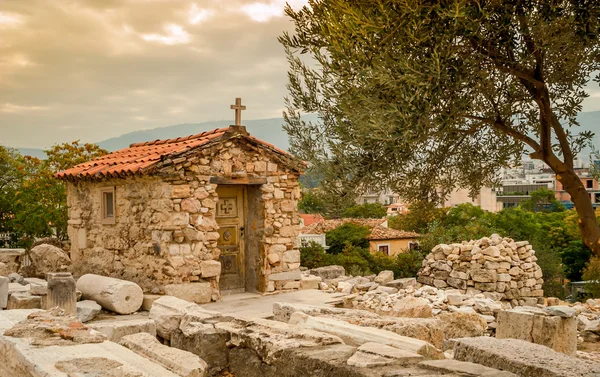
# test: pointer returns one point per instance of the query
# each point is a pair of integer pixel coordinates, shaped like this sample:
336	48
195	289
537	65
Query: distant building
385	197
486	199
510	196
381	239
590	183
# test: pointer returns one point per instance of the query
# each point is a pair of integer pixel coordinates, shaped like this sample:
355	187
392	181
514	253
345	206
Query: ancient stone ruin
491	264
189	216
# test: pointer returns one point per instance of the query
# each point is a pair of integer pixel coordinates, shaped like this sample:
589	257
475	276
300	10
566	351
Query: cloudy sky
94	69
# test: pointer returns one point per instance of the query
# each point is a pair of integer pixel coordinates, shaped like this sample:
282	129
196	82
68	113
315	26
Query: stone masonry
493	264
165	230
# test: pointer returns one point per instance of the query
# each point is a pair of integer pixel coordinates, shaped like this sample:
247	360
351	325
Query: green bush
347	233
591	273
312	255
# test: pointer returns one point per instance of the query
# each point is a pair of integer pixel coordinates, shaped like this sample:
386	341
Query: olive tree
425	95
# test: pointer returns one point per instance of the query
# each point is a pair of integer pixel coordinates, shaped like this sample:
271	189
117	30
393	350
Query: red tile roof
378	231
140	157
382	233
309	219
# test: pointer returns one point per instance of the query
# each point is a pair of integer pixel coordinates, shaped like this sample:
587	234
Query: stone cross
238	111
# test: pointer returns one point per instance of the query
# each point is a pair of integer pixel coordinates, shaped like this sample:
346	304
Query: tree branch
501	126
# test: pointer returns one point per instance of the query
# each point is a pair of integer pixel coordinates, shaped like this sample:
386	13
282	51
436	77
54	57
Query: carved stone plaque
227	207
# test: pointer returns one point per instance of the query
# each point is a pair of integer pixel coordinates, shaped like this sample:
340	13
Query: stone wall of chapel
165	230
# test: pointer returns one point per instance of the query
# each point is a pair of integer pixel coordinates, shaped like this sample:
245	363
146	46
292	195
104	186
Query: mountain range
269	130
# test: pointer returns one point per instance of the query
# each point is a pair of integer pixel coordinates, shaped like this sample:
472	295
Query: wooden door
230	216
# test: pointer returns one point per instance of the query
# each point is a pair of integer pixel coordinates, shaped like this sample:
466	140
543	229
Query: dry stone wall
491	264
165	230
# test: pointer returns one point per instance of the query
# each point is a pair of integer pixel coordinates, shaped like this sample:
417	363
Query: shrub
312	255
348	233
591	273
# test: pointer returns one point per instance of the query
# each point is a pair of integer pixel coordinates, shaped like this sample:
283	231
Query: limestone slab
558	333
358	335
19	359
289	275
23	300
167	312
4	281
116	329
87	310
522	358
464	368
199	293
183	363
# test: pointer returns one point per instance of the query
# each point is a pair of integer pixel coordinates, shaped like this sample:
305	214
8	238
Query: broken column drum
119	296
62	292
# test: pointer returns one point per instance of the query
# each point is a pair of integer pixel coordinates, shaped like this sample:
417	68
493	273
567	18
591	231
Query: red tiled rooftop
309	219
139	156
378	231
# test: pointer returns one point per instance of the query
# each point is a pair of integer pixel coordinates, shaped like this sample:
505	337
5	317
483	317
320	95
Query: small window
590	183
385	249
108	205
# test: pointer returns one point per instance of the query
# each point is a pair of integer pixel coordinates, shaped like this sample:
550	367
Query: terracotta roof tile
141	156
138	156
382	233
378	231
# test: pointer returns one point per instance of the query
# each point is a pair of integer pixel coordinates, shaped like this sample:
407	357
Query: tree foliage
418	95
37	202
365	211
347	235
542	200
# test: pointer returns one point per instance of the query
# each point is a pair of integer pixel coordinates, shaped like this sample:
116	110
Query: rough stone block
206	342
464	368
116	329
310	282
210	268
23	300
413	307
522	358
199	293
87	310
358	335
327	272
558	333
183	363
4	281
384	277
168	313
402	283
376	354
289	275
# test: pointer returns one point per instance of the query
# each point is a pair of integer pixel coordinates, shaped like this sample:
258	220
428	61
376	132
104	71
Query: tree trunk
588	225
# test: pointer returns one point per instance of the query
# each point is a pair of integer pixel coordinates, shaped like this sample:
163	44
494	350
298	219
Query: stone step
464	368
522	358
183	363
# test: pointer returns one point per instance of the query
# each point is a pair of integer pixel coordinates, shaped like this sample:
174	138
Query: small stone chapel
191	217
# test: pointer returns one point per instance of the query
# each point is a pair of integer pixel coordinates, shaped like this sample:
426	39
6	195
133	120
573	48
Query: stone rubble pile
491	264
